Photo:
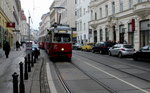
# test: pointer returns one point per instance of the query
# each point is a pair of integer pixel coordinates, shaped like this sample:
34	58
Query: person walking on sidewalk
6	48
17	45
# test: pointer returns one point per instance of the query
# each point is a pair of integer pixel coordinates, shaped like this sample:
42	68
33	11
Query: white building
67	14
120	20
63	12
44	24
82	19
24	28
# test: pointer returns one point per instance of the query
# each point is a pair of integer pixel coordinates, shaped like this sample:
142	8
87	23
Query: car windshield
109	44
128	46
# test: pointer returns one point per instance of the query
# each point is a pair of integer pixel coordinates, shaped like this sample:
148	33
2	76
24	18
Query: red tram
59	42
41	42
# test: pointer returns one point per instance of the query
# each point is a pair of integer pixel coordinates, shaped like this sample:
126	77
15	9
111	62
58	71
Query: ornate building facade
121	20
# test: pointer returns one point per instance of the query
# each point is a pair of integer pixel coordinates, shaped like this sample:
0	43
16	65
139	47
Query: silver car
121	50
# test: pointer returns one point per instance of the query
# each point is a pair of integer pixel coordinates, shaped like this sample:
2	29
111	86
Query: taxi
87	47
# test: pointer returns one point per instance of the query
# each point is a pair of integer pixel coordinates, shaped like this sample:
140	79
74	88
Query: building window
101	34
91	15
84	26
106	34
113	7
121	33
80	12
130	3
100	10
121	5
84	11
106	10
95	16
139	1
130	34
95	36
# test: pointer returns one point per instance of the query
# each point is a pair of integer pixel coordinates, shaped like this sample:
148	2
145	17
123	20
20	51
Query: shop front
144	32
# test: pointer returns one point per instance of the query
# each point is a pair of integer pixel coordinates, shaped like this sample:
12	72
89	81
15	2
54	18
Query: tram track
62	81
66	86
118	68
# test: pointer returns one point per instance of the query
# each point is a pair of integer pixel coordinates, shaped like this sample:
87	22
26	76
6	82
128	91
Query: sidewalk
37	79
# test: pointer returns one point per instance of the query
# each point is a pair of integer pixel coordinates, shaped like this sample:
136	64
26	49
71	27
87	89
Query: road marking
50	80
117	78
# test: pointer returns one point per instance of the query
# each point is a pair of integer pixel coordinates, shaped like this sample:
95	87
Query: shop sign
10	24
133	25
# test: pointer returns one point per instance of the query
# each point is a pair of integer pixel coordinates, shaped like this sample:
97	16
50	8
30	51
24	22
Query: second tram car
59	42
41	42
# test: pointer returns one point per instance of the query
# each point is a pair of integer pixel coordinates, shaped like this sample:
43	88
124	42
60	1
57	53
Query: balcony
142	9
93	23
95	3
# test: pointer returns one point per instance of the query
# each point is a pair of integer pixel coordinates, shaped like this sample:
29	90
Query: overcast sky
36	8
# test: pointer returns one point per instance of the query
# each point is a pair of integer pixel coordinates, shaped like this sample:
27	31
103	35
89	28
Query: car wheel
93	51
100	52
135	58
120	55
109	53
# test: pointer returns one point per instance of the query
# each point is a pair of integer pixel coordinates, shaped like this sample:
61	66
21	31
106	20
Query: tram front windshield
63	38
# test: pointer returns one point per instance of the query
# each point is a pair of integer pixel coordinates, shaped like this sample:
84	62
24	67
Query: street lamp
29	27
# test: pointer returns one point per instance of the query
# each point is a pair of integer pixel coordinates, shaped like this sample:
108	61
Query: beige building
9	13
121	20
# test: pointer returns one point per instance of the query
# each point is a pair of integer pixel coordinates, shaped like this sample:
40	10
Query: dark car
102	47
143	53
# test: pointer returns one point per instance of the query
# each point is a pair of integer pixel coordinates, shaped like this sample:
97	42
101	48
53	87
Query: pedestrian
17	45
36	53
6	48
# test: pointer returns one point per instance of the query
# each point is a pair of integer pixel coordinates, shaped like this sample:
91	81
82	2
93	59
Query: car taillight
123	49
104	47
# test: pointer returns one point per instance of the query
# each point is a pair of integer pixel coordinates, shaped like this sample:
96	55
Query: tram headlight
62	49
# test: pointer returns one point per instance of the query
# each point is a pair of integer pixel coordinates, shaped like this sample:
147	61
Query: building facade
44	24
24	27
63	12
9	13
82	19
120	20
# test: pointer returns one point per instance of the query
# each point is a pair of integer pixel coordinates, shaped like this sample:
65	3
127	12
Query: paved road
118	74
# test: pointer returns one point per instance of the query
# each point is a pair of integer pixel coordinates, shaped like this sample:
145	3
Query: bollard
22	88
25	69
32	63
15	82
29	66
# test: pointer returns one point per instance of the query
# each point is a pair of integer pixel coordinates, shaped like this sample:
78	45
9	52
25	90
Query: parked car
76	46
102	47
87	47
143	53
121	50
35	50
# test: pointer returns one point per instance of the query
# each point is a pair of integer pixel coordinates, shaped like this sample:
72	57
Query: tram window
62	38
